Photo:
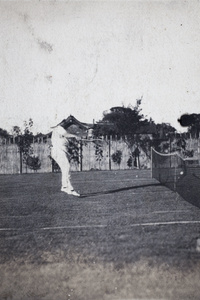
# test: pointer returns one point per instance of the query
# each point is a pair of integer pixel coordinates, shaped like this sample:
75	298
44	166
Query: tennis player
60	139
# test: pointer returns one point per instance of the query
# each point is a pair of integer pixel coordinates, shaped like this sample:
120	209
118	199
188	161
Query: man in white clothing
60	141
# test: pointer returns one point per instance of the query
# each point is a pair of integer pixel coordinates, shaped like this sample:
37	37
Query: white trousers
60	157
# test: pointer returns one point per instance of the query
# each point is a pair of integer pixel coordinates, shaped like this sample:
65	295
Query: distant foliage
73	150
192	122
24	141
98	152
25	138
130	161
121	121
33	162
55	166
145	144
117	157
4	133
188	153
135	129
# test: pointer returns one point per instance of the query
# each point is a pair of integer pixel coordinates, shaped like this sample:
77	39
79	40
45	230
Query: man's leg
66	183
62	161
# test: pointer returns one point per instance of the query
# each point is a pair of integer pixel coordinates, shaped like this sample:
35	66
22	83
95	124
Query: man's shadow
188	188
120	190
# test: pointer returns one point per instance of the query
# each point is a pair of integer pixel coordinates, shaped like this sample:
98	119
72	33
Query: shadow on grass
189	189
120	190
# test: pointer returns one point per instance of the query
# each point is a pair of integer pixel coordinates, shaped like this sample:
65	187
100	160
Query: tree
33	162
164	130
121	121
73	150
117	157
4	133
98	152
187	120
24	141
194	127
128	123
192	121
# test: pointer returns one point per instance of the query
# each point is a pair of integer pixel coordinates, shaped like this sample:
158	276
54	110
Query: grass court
126	237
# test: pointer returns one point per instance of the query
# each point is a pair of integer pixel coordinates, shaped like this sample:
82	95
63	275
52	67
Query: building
74	126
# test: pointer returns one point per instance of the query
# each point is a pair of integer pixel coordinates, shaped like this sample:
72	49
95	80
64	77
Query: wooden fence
10	159
91	156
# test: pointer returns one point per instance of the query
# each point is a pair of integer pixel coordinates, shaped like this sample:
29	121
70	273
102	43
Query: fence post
20	159
81	156
20	154
109	156
151	162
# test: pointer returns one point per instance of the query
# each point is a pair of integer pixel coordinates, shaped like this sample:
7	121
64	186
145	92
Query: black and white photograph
99	150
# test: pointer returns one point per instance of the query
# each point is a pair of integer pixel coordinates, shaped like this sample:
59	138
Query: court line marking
166	223
168	211
57	227
104	226
120	180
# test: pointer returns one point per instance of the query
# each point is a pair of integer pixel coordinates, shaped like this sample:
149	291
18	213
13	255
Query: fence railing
111	153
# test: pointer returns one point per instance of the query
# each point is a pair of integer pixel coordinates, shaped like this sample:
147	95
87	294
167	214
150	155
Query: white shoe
74	193
70	192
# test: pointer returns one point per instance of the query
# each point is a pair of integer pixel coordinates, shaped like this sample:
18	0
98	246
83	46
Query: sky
81	58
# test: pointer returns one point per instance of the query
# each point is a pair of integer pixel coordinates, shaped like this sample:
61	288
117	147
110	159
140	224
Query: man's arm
72	136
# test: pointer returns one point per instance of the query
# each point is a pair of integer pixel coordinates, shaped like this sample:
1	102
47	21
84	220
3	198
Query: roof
71	120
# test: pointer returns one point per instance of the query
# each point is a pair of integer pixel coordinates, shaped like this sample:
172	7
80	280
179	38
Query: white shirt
59	138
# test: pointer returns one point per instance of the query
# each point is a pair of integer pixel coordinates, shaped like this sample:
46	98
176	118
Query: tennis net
167	168
178	174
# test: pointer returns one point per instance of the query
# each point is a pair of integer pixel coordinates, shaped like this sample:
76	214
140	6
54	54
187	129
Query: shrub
33	162
117	157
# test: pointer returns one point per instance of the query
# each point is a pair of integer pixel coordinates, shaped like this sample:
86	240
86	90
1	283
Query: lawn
126	237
